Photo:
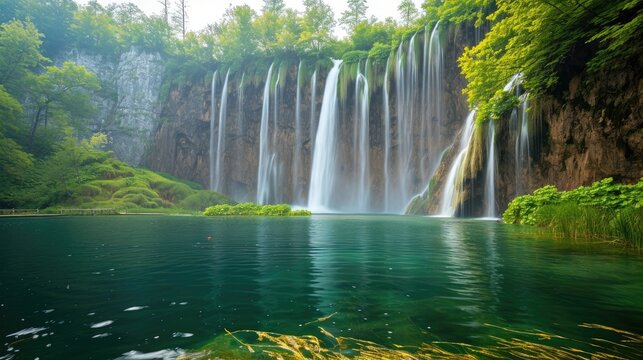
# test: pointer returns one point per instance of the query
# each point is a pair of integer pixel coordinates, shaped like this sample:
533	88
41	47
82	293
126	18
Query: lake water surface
102	287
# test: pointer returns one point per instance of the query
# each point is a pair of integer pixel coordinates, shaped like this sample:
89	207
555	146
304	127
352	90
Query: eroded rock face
138	83
128	104
593	131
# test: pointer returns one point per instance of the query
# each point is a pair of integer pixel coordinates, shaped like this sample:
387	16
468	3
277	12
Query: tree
366	34
52	18
94	29
19	53
355	14
61	94
408	11
165	11
235	37
317	25
180	17
274	6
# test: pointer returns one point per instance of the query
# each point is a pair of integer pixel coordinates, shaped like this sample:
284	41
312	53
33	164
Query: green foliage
367	34
355	56
408	11
95	30
538	38
603	209
19	53
379	53
252	209
463	11
501	103
355	14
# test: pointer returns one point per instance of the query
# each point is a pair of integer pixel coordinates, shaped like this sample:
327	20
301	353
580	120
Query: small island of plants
604	210
252	209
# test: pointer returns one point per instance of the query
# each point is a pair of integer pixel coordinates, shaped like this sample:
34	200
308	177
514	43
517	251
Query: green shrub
199	200
251	209
603	210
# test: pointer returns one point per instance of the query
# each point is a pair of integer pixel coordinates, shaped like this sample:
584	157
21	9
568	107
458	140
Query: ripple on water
102	324
135	308
27	331
100	336
182	335
166	354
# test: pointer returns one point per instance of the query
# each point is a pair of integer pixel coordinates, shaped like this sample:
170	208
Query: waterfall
452	185
263	174
242	125
313	109
490	179
363	189
387	139
221	135
212	127
296	191
322	176
275	187
433	110
522	147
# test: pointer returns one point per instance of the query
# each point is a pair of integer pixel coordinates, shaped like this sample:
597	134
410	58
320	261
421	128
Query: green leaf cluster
605	209
252	209
604	194
541	39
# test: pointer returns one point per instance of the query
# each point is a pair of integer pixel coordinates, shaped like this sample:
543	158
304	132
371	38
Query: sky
204	12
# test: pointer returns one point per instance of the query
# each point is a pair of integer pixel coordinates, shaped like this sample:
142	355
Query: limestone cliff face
180	144
128	103
590	130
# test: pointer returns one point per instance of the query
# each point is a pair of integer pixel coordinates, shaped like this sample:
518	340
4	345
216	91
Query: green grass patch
605	210
252	209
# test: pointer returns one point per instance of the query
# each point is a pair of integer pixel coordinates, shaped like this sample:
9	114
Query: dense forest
53	152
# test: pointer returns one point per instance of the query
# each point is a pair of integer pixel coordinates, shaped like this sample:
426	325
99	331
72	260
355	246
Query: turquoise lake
125	286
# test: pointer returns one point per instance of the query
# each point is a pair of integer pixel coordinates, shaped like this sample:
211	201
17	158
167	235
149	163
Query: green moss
252	209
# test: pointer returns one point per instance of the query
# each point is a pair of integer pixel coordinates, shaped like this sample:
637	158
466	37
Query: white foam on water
27	331
135	308
48	311
102	324
182	335
100	336
183	303
166	354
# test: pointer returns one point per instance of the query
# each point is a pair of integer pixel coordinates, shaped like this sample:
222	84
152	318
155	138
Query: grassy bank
603	211
252	209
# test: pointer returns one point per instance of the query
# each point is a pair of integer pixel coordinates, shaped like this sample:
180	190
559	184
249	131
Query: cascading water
433	106
363	188
387	138
452	185
522	147
323	172
212	127
313	109
490	178
240	98
221	136
296	189
263	174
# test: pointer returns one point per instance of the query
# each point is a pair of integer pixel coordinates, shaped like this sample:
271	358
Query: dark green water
390	279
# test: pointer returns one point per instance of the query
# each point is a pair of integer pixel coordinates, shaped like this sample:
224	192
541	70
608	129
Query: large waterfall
324	165
263	175
374	144
213	90
221	136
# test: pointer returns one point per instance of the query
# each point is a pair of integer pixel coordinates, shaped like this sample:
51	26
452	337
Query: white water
221	136
323	172
363	188
263	175
212	127
452	185
296	184
387	139
313	109
522	147
490	178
